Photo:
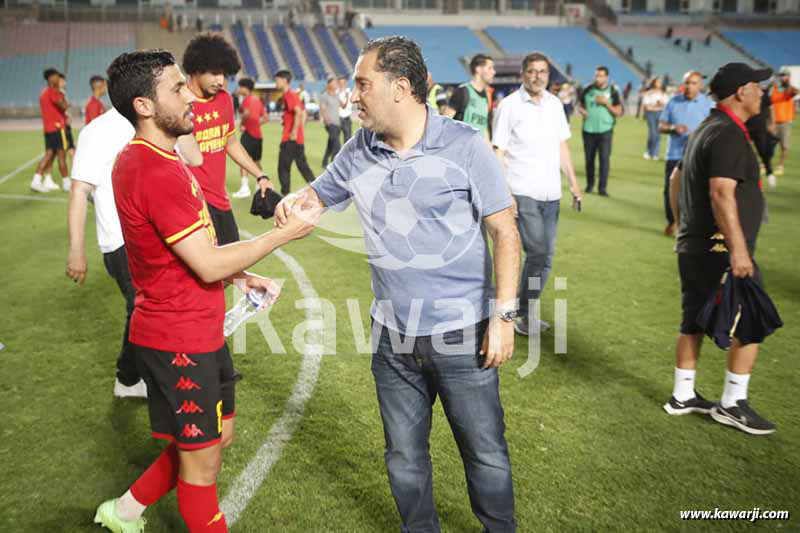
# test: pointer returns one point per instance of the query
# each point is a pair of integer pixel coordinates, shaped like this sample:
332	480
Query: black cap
733	75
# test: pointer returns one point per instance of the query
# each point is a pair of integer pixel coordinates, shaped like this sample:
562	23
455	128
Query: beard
172	125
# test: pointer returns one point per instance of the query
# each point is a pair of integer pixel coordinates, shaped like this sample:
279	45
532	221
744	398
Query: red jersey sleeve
227	107
175	206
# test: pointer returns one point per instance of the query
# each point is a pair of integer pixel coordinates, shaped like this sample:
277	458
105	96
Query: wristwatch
507	315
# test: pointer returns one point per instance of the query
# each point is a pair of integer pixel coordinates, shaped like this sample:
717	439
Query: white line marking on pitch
31	197
20	169
253	475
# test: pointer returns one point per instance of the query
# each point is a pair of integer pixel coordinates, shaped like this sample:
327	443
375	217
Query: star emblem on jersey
186	384
215	114
190	408
191	431
207	116
199	119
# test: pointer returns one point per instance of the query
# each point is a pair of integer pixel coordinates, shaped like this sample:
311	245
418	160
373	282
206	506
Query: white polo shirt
98	146
347	110
530	134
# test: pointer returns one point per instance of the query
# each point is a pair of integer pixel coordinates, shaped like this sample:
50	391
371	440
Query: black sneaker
698	404
742	416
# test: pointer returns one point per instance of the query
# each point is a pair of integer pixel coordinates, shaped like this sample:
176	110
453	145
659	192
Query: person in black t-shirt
762	130
715	196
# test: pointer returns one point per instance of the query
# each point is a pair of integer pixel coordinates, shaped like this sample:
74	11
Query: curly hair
210	52
134	74
400	57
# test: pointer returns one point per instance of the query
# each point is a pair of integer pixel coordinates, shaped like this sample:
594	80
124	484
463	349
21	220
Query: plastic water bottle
251	303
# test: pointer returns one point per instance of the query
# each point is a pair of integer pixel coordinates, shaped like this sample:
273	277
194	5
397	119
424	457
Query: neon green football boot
106	516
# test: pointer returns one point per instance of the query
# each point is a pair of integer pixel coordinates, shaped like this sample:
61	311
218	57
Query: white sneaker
66	184
37	184
772	180
243	192
49	184
139	390
646	156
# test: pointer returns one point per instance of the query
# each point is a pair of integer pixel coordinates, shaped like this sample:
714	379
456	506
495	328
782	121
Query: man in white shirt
346	111
98	146
530	138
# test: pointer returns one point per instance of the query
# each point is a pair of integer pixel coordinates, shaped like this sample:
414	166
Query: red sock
199	508
159	478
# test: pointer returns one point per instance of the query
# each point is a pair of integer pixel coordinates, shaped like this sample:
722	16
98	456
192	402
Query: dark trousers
669	166
593	144
116	263
333	146
347	129
292	152
765	143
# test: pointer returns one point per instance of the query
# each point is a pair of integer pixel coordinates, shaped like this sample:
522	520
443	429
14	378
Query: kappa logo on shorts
189	407
186	384
191	431
181	359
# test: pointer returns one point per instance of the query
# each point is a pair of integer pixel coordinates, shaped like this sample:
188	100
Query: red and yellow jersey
53	118
94	108
213	124
292	105
159	204
255	110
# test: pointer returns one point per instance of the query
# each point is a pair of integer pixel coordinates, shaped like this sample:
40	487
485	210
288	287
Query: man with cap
782	95
718	204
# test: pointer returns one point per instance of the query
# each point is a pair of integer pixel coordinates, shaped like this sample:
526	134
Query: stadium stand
776	48
325	38
350	46
248	61
266	50
312	56
288	51
92	47
442	47
575	46
674	60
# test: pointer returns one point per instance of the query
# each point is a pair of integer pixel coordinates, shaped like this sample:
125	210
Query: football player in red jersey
95	107
179	273
207	61
53	106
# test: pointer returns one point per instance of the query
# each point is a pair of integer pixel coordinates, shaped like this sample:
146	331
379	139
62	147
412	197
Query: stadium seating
267	52
672	60
575	46
777	48
288	51
350	46
92	47
324	36
244	50
442	46
312	56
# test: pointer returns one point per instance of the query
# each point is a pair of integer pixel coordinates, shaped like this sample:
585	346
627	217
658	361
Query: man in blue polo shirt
683	114
427	190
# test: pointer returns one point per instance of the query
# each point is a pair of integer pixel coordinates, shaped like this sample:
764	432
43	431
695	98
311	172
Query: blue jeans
537	222
653	135
407	381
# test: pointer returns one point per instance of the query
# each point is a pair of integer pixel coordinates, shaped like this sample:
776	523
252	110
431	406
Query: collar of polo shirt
431	139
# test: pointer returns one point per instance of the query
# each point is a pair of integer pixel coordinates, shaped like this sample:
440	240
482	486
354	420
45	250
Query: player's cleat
647	156
523	327
772	180
37	184
243	192
49	184
138	390
779	170
698	404
66	184
106	516
743	417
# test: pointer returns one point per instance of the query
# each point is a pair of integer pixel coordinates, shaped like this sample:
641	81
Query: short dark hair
248	83
134	74
285	74
94	79
534	56
331	79
49	72
400	57
478	60
344	77
210	52
603	68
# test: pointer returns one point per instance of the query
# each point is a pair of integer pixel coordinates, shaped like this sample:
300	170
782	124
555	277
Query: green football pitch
591	447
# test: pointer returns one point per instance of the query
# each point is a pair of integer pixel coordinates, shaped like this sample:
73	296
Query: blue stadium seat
776	48
244	50
314	61
442	46
324	36
266	49
575	46
21	77
350	47
289	52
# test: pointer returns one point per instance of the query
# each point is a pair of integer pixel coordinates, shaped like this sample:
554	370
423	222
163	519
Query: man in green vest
470	101
599	104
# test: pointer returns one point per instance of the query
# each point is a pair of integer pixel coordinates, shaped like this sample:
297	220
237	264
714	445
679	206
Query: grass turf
591	448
